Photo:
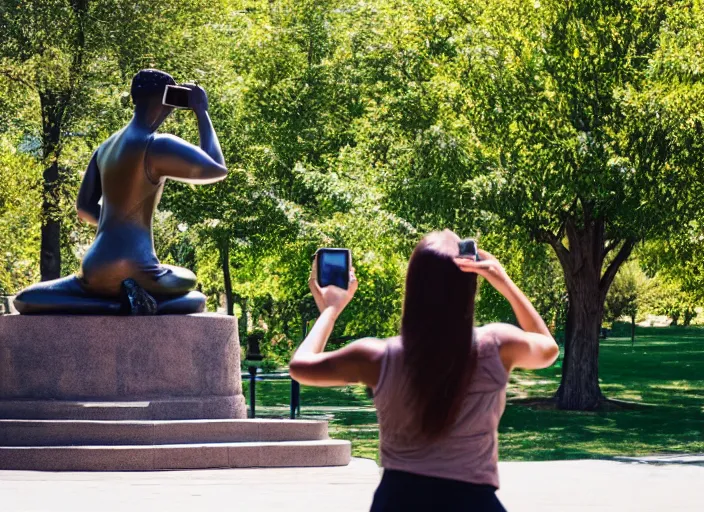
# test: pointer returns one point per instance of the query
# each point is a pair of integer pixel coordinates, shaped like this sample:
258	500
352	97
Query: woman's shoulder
394	341
489	339
387	349
368	350
375	345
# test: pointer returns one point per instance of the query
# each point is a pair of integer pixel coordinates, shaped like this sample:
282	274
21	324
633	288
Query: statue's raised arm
120	272
173	157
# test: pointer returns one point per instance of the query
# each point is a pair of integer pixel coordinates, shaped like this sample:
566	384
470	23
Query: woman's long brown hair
437	332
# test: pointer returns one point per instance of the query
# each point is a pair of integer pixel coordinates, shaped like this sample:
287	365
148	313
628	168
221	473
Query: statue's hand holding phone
186	96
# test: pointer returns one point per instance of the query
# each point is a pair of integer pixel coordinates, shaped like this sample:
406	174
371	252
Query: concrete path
603	486
569	486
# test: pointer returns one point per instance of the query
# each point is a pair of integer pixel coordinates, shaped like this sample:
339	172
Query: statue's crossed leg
68	296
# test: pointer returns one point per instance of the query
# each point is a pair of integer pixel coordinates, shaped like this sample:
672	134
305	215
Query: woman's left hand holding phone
331	297
357	362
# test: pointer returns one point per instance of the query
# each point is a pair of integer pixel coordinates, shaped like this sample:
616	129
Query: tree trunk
53	106
225	258
689	315
633	330
675	319
50	249
579	387
587	285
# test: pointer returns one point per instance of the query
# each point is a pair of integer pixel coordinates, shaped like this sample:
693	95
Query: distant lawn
664	372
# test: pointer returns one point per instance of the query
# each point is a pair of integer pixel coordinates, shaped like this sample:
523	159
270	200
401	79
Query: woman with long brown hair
439	388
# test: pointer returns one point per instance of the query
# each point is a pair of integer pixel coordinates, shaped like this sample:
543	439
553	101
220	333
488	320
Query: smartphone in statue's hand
334	267
468	249
176	96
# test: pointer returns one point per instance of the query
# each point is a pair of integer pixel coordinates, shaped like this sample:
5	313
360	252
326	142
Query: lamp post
296	386
308	309
253	356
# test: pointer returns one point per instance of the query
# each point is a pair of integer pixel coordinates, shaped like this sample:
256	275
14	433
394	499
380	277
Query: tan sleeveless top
468	451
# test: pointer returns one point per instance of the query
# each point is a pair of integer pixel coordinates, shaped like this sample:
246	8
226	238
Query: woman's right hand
488	267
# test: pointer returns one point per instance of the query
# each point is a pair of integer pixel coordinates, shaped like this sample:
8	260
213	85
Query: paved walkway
603	486
569	486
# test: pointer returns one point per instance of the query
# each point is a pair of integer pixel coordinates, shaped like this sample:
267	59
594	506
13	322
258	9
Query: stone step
329	452
203	407
27	433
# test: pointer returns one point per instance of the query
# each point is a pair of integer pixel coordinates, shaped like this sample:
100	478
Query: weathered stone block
181	366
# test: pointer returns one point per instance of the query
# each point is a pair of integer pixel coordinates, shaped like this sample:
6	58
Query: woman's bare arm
360	361
530	347
524	349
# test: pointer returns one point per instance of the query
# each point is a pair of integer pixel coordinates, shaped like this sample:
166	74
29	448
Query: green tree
581	145
20	191
626	294
287	122
680	261
667	296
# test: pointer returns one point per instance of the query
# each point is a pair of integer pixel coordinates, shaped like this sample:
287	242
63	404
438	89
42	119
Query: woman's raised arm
360	361
530	347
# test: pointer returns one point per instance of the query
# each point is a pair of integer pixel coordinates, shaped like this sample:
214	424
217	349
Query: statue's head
147	94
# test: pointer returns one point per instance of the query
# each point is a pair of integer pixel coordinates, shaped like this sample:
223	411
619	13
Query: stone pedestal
89	393
109	368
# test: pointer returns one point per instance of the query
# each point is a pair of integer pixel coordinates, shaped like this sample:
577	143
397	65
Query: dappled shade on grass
663	374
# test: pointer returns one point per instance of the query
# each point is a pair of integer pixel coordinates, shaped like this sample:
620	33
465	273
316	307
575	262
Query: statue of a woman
120	273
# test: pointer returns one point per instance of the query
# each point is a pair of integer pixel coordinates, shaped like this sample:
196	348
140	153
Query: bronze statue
120	273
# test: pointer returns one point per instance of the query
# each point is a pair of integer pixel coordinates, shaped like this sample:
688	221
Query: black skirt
407	492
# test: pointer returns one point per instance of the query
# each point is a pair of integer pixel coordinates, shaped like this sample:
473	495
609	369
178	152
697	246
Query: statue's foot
135	299
192	302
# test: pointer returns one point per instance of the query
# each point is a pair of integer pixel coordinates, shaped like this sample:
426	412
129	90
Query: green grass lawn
663	373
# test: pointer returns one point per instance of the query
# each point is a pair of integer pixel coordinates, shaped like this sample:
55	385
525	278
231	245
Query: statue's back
129	194
123	247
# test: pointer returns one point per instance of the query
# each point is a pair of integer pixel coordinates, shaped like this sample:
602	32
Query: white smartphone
176	96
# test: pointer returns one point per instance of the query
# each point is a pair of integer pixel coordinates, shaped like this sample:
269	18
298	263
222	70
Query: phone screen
333	267
176	96
468	249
